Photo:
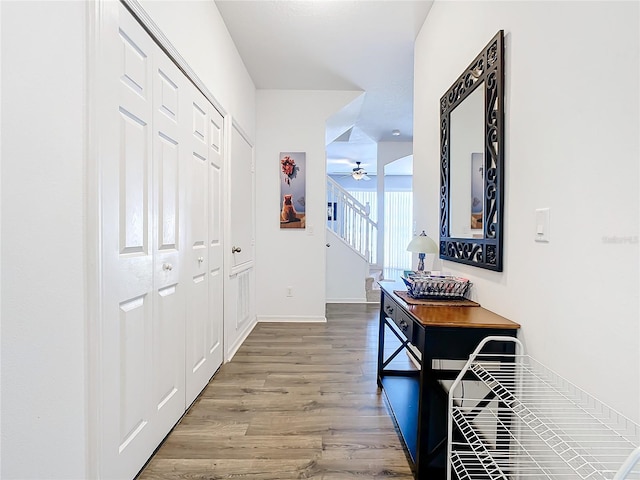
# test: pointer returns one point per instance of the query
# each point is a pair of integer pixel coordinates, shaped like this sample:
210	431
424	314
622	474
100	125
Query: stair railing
349	219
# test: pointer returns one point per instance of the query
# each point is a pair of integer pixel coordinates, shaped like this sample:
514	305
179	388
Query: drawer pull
389	309
404	325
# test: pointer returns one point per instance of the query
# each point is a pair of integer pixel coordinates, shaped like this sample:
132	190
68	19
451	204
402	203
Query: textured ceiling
336	45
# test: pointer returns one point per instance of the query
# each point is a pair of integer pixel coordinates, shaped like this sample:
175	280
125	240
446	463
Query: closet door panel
216	311
134	325
170	151
168	387
197	312
127	255
134	261
216	187
197	358
160	175
134	184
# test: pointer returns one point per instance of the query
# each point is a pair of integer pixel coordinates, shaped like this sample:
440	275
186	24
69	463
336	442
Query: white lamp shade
422	244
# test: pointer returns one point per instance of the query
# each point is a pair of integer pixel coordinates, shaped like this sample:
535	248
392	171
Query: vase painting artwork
292	189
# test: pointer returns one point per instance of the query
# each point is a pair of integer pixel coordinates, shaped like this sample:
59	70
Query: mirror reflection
466	133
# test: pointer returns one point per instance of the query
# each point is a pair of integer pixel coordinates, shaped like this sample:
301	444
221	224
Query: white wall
572	144
346	272
391	151
43	232
292	121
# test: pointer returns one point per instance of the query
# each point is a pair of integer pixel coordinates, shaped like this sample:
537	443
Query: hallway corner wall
292	121
44	391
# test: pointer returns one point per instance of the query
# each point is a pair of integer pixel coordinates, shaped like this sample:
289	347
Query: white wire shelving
512	418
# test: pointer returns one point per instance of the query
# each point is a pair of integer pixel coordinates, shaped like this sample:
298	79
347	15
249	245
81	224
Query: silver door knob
167	266
236	250
200	259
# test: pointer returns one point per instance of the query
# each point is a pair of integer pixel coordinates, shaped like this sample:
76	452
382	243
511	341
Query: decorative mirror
472	162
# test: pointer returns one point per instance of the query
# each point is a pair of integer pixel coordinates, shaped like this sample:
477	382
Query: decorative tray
436	287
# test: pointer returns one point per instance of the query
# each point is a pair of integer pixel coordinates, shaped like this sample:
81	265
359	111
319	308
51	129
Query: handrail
349	219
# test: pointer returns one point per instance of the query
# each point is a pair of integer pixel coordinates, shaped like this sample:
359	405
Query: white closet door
200	266
216	310
127	402
160	147
170	153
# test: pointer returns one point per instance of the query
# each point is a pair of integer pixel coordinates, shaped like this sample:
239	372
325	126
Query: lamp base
421	262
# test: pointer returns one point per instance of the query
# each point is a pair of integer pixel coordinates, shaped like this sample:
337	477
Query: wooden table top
446	316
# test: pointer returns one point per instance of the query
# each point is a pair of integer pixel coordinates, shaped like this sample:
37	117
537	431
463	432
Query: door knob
200	259
236	250
328	244
167	266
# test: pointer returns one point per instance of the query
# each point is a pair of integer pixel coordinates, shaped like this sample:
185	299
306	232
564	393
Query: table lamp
421	244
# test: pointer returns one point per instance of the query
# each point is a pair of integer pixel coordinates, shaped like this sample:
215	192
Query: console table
432	335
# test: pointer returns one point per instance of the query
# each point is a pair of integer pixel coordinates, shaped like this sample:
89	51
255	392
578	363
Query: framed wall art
292	189
332	211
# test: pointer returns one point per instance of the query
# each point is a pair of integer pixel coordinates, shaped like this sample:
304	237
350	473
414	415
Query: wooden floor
296	401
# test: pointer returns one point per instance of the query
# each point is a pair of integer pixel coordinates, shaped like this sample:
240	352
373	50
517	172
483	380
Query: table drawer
393	311
404	323
390	308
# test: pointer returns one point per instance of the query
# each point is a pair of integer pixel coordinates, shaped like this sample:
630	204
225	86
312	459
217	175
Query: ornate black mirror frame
486	70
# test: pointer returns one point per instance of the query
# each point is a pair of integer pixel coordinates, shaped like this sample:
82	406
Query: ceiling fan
359	173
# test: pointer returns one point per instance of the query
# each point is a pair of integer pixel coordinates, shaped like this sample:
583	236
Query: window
398	230
398	226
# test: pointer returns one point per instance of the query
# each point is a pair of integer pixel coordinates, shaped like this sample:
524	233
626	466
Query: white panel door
127	402
161	182
242	203
170	153
200	366
216	310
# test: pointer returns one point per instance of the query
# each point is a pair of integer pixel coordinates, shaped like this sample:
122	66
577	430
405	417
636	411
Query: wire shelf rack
512	418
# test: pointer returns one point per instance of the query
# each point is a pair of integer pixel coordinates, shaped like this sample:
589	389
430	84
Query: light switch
542	225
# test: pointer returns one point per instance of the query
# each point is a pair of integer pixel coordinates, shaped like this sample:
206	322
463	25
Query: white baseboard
292	318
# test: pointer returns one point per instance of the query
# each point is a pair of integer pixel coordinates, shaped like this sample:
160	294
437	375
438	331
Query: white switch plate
542	225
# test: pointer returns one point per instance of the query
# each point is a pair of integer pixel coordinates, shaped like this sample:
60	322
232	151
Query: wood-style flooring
297	401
